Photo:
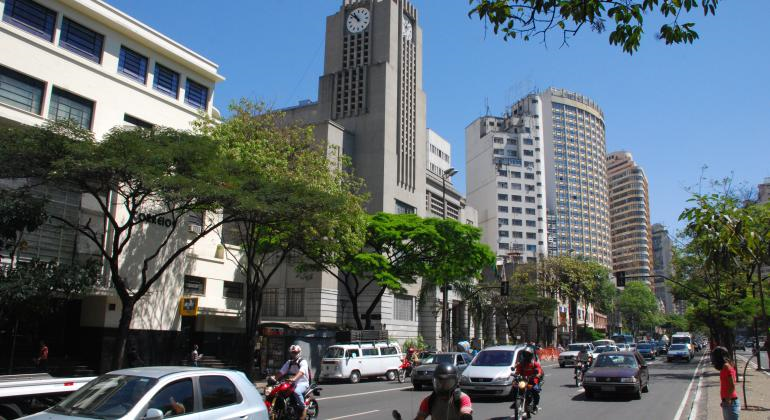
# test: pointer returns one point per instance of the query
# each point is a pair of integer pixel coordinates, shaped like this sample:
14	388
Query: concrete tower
372	88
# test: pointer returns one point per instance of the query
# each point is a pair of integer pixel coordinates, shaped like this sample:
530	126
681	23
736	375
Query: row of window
85	42
295	297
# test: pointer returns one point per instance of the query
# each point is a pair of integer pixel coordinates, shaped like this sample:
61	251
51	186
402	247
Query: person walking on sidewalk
731	406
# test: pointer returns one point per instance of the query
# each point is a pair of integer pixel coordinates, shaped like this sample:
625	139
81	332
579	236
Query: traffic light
620	276
505	289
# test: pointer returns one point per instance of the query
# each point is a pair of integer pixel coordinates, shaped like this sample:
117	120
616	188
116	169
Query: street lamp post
445	304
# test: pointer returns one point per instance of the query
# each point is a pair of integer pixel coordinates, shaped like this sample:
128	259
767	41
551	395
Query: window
351	353
67	106
388	350
20	91
403	208
516	174
529	199
31	17
194	285
81	40
516	198
502	222
517	235
502	185
217	391
137	122
531	223
270	302
370	352
516	210
531	212
403	308
295	302
166	81
132	64
175	399
503	197
531	236
196	94
502	209
502	233
233	289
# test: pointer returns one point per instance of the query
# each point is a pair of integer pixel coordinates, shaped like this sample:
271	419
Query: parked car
361	360
623	347
162	391
647	350
567	358
423	375
616	372
490	371
679	352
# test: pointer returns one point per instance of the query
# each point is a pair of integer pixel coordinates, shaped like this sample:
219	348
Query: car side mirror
513	368
153	414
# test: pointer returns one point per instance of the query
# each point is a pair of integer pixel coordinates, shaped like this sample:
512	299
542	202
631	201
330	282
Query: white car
603	349
490	371
568	357
152	393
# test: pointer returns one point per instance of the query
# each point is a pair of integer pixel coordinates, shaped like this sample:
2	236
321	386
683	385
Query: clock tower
372	88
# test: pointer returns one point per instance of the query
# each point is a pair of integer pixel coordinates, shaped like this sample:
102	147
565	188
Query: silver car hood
46	415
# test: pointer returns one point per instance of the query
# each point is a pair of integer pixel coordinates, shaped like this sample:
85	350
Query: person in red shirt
530	369
731	406
446	402
42	359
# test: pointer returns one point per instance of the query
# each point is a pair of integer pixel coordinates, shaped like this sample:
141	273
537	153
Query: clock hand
356	16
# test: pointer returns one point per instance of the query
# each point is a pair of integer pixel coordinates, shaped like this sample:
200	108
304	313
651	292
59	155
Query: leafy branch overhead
624	18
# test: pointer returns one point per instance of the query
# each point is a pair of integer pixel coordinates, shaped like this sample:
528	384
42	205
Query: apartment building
663	254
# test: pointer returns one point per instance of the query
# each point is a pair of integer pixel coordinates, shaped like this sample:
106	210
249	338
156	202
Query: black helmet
526	355
444	378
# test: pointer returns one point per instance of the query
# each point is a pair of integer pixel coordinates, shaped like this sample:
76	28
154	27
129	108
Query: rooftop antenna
486	105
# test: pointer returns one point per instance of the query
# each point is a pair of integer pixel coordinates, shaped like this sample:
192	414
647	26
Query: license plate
608	389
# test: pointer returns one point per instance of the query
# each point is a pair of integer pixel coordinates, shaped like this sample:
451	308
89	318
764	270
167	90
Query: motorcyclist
582	360
446	402
297	369
530	369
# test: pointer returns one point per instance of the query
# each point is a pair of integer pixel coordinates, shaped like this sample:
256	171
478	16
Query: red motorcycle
404	370
279	399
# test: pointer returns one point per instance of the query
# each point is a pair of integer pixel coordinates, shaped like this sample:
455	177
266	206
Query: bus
623	338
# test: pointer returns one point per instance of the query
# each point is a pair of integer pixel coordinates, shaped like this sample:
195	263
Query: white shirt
292	369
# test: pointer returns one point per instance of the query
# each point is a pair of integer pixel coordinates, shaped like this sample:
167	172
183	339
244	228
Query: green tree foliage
20	213
525	301
624	19
638	306
131	176
287	192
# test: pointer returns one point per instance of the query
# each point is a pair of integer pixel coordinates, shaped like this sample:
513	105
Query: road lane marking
679	412
753	364
696	400
362	393
354	415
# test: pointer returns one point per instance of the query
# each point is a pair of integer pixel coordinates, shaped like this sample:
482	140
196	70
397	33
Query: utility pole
445	296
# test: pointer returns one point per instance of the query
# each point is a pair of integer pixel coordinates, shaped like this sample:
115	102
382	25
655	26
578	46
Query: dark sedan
647	350
423	375
616	372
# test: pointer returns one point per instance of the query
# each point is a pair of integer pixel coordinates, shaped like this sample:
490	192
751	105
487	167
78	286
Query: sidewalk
757	390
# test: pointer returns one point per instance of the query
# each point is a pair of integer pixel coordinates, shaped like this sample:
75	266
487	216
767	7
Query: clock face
406	28
358	20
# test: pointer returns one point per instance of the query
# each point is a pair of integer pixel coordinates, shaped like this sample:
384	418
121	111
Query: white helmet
295	349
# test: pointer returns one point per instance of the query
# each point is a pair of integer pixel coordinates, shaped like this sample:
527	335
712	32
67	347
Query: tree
20	213
286	194
524	302
534	18
638	306
570	279
141	183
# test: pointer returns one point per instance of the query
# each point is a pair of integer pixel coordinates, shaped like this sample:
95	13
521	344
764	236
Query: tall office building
662	256
506	182
632	250
570	132
764	191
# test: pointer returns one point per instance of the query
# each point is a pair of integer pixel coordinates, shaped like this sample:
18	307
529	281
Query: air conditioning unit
194	228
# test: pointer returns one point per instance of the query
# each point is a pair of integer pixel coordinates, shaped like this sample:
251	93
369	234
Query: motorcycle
580	370
523	405
279	399
404	370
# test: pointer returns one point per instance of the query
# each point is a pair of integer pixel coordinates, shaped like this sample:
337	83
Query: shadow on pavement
617	397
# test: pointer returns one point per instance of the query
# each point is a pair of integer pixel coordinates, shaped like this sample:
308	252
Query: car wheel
355	377
417	387
390	375
589	395
638	394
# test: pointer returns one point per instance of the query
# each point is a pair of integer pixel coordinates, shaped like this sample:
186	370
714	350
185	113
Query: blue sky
676	108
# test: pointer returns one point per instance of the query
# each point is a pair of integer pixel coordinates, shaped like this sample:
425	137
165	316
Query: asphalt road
375	399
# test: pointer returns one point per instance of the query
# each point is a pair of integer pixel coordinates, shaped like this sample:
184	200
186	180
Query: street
375	399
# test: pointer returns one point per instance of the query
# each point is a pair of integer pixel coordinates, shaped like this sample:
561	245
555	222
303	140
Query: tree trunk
572	320
119	349
373	305
356	314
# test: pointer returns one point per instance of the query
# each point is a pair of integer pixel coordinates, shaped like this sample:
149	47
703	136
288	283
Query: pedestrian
195	356
41	361
731	407
133	357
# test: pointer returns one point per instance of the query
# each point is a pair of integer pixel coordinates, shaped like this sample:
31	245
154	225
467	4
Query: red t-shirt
725	374
528	370
465	407
44	353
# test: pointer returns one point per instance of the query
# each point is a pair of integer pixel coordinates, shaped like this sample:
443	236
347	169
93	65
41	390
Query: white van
684	338
360	360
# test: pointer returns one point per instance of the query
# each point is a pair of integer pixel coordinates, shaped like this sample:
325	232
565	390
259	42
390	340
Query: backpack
456	395
297	362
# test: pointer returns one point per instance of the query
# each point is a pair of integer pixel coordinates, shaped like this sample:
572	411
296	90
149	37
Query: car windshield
493	358
680	340
334	352
440	358
576	347
107	397
602	349
677	347
616	360
644	346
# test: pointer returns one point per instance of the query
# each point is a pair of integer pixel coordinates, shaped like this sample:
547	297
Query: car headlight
503	379
631	380
465	380
590	379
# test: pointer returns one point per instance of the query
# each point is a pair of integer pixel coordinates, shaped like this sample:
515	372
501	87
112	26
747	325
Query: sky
684	112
